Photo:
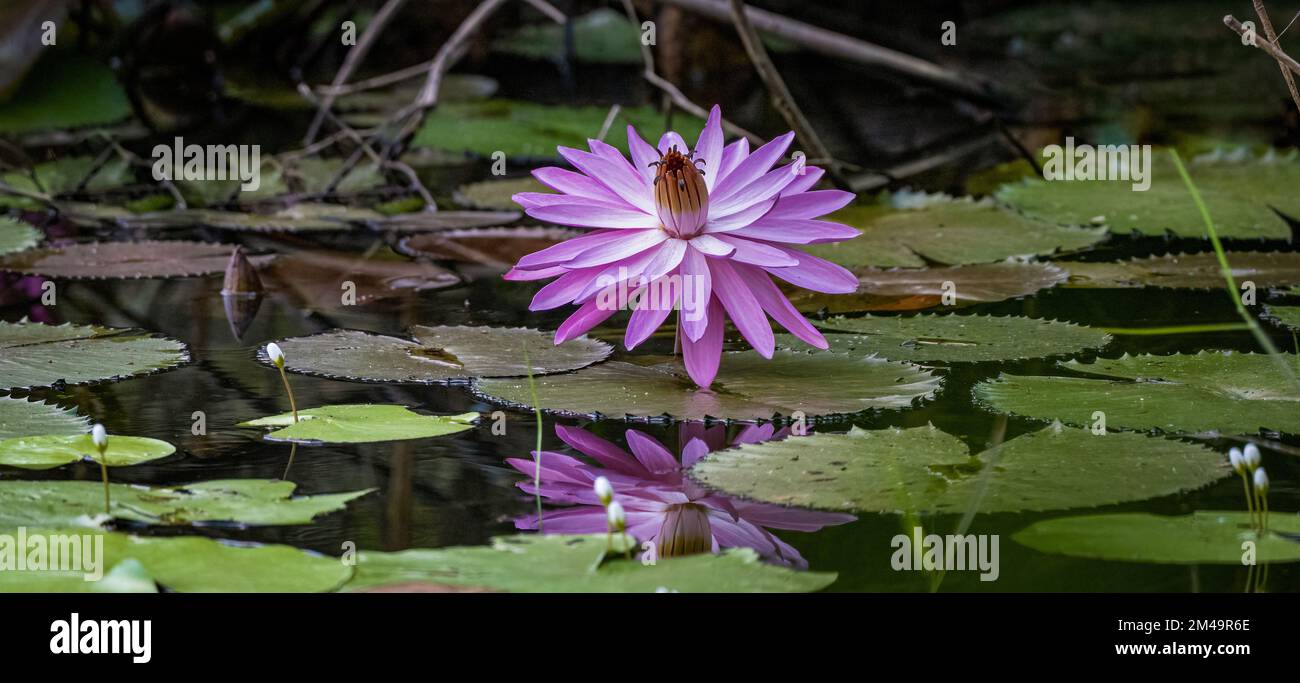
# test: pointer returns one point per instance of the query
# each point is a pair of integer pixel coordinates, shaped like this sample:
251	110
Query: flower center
681	198
685	531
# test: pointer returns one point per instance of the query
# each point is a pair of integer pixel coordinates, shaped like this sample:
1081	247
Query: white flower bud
275	354
617	520
604	490
1250	455
99	436
1261	481
1238	461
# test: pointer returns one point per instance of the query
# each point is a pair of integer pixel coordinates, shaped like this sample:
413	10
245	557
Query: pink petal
766	187
811	175
587	216
642	154
568	249
743	309
608	252
710	245
795	231
586	317
647	317
602	451
794	519
769	296
562	291
576	185
525	275
702	356
810	204
696	280
628	270
756	253
672	139
741	218
754	166
709	146
651	453
816	274
732	155
669	257
618	176
693	451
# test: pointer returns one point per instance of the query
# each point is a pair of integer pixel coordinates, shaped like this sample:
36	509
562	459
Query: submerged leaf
48	451
314	279
36	355
438	354
1203	537
143	259
572	564
1190	271
748	387
16	235
906	289
1233	393
361	423
923	469
957	338
496	195
1288	316
235	501
499	248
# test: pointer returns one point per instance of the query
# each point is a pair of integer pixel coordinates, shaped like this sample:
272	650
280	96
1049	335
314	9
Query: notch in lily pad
360	423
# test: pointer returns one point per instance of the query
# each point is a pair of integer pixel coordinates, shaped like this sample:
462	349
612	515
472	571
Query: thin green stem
103	469
1226	269
1177	329
1250	497
292	405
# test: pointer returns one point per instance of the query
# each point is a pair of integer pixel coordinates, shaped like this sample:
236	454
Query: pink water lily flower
663	505
700	231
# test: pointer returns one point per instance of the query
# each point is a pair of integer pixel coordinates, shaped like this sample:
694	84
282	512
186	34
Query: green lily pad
65	176
1203	537
19	417
361	423
1241	198
1232	393
433	221
191	564
603	36
99	260
234	501
495	195
957	338
1288	316
301	217
1187	271
906	289
49	451
953	232
36	355
527	130
438	354
313	175
923	469
16	235
748	387
572	564
65	89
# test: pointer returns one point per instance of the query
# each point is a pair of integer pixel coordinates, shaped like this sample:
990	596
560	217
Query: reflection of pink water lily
701	230
662	504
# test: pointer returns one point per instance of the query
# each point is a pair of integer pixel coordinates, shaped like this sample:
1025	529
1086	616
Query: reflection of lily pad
602	36
907	289
495	247
926	470
1191	271
748	387
1288	316
495	195
950	232
1203	537
958	338
47	451
438	354
1241	198
529	130
36	355
572	564
194	564
97	260
16	235
19	417
320	279
238	501
1234	393
361	423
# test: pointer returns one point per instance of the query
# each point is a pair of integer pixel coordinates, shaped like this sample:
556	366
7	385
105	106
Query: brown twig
844	47
1272	38
1274	51
352	61
776	87
674	95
